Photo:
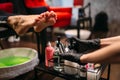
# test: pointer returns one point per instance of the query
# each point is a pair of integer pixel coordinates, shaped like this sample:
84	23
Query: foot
21	23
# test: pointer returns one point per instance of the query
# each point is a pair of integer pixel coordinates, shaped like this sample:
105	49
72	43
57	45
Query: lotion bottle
49	51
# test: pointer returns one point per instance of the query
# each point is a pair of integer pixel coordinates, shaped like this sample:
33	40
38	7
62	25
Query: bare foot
45	20
21	23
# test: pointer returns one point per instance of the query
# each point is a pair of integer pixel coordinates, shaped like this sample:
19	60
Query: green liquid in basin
12	60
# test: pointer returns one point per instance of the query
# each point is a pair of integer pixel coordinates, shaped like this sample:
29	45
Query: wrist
83	58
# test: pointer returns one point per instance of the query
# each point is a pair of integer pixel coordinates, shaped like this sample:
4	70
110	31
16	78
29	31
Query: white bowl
84	34
16	70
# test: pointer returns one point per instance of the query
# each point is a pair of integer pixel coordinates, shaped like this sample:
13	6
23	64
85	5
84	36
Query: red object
78	3
63	14
34	3
49	51
7	7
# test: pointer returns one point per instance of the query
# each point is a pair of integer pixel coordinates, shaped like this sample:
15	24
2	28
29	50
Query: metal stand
41	44
108	74
81	23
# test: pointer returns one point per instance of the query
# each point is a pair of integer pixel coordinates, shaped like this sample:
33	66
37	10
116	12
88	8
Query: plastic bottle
49	51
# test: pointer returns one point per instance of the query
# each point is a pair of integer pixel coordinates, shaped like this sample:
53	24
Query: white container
84	34
71	67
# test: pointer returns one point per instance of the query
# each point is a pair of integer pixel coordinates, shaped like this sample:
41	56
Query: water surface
12	61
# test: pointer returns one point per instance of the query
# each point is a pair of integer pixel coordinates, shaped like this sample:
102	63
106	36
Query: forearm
101	55
108	41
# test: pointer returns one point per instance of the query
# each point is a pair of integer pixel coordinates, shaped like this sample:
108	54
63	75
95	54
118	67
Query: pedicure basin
17	61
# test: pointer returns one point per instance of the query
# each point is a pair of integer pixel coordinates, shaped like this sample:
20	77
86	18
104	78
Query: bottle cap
48	44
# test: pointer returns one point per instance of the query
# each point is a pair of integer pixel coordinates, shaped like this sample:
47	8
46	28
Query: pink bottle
49	51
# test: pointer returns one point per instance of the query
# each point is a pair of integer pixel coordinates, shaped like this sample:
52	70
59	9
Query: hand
74	57
83	45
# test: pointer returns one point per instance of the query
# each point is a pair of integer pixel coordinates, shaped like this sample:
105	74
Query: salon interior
84	19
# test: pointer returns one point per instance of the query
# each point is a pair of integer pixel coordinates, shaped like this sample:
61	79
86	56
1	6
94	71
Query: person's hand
21	23
74	57
83	45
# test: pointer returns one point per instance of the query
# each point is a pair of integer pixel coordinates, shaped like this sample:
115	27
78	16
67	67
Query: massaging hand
74	57
83	45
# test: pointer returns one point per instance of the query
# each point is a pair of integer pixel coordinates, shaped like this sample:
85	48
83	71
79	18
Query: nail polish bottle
49	51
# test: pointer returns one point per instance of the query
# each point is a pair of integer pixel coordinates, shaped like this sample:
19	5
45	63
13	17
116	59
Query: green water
12	61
